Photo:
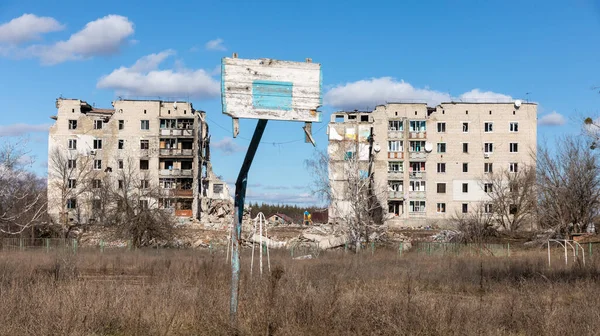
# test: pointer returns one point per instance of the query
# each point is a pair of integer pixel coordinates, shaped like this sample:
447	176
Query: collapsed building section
156	150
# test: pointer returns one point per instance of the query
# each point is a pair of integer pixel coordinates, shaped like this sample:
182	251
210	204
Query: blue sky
370	52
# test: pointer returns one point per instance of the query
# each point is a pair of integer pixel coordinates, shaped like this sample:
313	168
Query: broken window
465	207
395	185
513	167
395	166
488	208
441	147
395	125
465	187
143	204
339	118
121	124
513	126
97	184
417	166
417	146
72	124
488	127
417	206
144	165
465	147
417	126
145	125
96	204
514	147
513	209
72	144
97	143
396	208
465	127
120	164
364	118
417	185
487	187
487	167
441	188
71	203
144	144
97	164
168	123
395	146
98	124
441	167
72	164
441	127
465	167
121	184
217	188
71	183
144	184
488	147
441	208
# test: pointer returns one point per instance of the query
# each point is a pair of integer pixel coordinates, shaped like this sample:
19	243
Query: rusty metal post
236	228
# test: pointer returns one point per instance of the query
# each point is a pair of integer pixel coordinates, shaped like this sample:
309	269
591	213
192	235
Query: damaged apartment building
159	145
428	163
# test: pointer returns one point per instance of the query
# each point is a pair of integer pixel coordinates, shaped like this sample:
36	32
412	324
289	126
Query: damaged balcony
177	127
176	168
171	187
176	147
178	207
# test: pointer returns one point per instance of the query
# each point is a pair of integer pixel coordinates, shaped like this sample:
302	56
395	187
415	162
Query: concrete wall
452	115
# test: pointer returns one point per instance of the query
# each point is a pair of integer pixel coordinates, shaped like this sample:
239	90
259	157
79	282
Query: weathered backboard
271	89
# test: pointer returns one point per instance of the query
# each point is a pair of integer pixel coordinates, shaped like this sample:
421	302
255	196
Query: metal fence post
47	245
21	244
508	249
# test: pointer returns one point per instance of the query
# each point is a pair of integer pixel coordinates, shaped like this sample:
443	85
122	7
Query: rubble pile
446	236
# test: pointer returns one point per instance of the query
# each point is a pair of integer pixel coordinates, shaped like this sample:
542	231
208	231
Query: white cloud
104	36
552	119
368	93
27	27
216	44
227	146
22	129
476	95
145	79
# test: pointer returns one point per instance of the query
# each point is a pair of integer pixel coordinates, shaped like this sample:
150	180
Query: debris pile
446	236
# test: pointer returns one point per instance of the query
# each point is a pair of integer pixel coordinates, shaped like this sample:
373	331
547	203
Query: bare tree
22	193
512	196
70	175
127	200
568	178
475	226
343	178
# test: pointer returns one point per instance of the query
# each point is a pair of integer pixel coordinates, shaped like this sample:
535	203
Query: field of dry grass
187	293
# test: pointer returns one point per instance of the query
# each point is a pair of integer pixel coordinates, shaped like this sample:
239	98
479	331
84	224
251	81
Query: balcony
176	152
395	134
175	172
176	192
418	175
416	194
417	155
183	132
395	195
417	135
395	175
395	155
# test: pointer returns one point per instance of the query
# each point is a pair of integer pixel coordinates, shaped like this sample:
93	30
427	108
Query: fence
295	250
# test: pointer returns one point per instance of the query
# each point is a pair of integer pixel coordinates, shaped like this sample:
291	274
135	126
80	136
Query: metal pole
236	229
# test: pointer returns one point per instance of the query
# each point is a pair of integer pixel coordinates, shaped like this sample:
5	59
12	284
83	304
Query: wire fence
294	251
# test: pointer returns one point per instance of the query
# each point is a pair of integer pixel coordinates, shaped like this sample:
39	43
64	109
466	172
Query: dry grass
187	293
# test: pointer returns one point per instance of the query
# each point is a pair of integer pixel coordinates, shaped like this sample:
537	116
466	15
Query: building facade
162	146
429	163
